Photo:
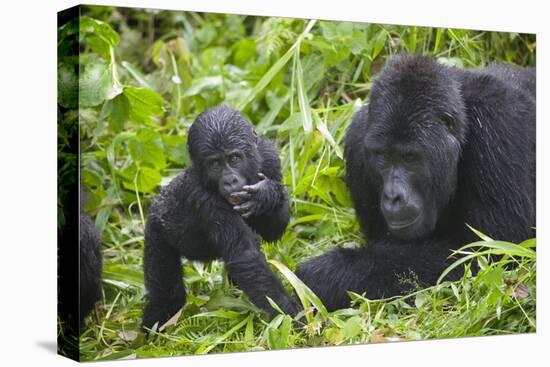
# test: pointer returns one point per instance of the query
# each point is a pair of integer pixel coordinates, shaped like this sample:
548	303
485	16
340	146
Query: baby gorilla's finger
244	208
252	188
239	197
247	214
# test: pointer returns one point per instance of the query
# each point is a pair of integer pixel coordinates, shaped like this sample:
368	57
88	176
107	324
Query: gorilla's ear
448	120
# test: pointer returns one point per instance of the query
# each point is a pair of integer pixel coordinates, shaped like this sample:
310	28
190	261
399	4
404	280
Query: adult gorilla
216	209
435	149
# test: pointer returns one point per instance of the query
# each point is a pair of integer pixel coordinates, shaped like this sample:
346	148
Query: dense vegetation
145	75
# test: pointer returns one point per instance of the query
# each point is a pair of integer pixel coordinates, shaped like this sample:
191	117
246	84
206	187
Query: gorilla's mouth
400	225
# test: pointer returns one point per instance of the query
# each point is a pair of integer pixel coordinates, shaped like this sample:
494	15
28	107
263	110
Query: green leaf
334	335
339	189
328	30
302	95
498	248
99	46
67	86
305	294
314	71
224	302
322	128
307	218
494	277
456	293
99	36
421	299
275	68
176	150
530	243
481	235
208	345
138	76
68	29
502	248
249	332
201	84
95	84
358	42
148	179
278	338
437	41
214	58
144	104
379	42
244	52
352	327
123	273
293	122
144	179
119	112
494	297
147	147
275	104
344	29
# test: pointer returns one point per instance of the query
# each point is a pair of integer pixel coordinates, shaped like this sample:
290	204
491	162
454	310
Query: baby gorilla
218	208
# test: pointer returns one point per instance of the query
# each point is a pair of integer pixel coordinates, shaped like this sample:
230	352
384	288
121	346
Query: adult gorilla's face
412	146
413	185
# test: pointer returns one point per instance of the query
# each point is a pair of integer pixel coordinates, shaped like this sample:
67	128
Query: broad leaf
147	147
144	104
95	84
67	86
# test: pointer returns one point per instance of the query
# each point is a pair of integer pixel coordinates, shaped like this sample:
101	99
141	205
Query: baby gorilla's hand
248	202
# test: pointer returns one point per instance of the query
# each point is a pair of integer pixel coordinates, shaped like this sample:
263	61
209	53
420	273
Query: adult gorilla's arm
498	117
272	219
381	269
239	248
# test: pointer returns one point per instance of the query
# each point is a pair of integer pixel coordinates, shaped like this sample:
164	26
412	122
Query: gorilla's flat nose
392	199
230	183
230	180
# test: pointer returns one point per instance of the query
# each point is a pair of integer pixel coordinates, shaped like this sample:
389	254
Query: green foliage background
144	75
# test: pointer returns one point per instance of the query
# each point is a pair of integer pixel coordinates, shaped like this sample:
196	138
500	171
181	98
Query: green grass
299	82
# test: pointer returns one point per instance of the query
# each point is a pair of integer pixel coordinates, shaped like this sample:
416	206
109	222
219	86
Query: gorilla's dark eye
234	158
376	153
409	157
214	163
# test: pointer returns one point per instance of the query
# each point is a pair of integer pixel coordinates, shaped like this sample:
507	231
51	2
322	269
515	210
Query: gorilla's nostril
397	199
393	199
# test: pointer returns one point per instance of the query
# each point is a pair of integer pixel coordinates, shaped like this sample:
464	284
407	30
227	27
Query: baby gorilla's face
227	170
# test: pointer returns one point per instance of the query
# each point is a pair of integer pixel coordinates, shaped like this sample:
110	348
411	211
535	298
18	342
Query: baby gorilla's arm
239	247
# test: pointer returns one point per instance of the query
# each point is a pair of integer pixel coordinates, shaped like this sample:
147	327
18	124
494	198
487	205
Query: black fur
90	261
472	137
197	218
